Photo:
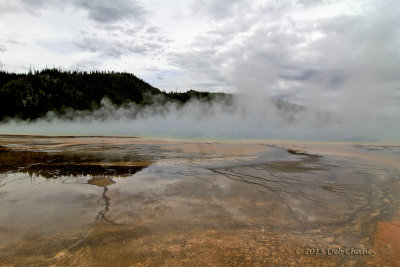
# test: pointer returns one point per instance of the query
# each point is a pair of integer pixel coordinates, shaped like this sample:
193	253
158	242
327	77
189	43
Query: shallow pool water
91	201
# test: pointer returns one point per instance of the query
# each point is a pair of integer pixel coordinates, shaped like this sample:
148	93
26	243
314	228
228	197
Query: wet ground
95	201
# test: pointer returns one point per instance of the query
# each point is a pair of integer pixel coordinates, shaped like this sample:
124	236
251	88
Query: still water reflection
91	201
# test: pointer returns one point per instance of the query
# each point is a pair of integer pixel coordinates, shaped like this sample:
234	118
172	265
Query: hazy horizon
247	118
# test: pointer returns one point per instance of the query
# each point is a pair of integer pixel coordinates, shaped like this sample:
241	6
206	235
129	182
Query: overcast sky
305	50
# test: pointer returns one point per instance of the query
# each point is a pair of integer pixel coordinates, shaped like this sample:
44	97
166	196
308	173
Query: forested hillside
32	95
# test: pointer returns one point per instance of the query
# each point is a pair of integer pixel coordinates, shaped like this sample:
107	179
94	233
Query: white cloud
333	53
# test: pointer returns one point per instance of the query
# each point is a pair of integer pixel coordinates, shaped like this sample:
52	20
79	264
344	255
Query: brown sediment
218	148
297	152
139	246
345	150
101	181
387	243
43	142
189	248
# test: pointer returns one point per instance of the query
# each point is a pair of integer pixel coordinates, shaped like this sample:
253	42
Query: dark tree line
33	95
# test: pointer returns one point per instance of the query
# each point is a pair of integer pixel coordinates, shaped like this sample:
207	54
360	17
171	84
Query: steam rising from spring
247	117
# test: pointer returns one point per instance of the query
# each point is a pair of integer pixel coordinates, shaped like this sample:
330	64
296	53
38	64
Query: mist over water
339	59
247	117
